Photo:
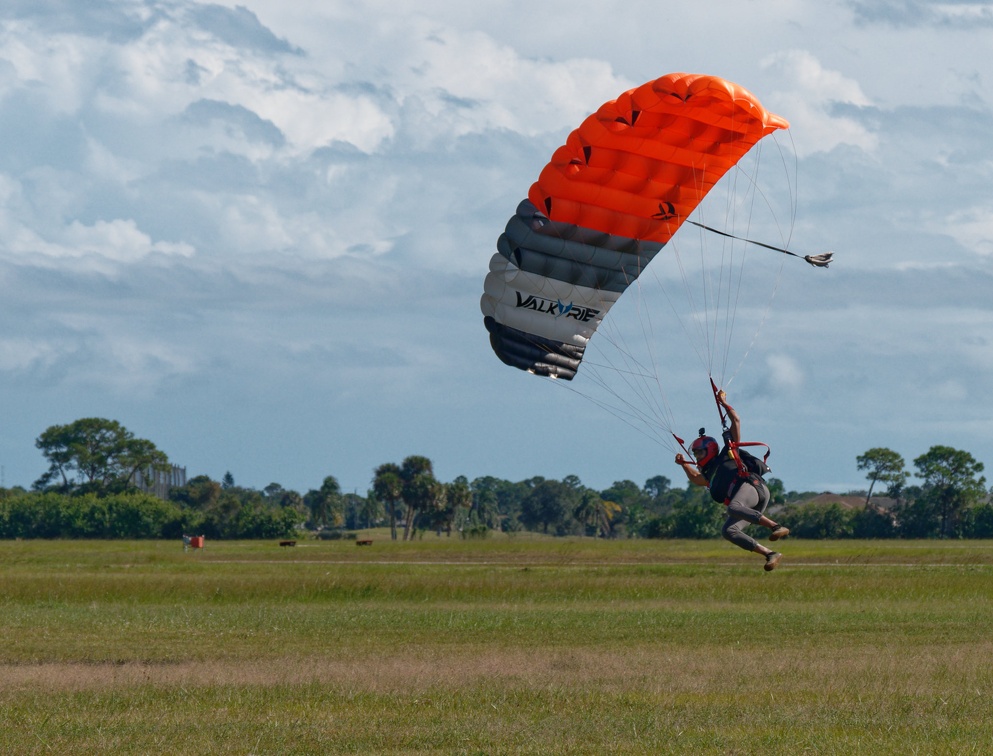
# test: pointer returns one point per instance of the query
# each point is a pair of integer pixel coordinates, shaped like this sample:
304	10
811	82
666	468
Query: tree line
950	501
92	489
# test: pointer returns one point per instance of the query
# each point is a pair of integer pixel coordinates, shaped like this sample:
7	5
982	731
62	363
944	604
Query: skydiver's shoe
771	560
780	531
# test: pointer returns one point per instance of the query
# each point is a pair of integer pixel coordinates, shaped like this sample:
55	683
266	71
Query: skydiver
746	495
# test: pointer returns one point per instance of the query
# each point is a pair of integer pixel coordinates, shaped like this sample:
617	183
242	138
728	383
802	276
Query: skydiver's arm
693	475
733	417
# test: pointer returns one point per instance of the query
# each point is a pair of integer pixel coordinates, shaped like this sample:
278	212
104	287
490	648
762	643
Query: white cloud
172	64
785	373
290	206
810	92
101	246
119	240
60	66
20	354
472	83
950	390
973	229
958	14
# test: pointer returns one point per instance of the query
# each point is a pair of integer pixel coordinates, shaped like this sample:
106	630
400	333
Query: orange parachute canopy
642	163
604	206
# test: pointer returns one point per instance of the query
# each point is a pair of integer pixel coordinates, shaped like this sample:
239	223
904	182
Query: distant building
158	482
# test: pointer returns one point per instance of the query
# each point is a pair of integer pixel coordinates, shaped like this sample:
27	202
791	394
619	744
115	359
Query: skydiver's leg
778	531
742	511
733	532
746	507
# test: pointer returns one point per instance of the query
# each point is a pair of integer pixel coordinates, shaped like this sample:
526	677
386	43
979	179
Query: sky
255	233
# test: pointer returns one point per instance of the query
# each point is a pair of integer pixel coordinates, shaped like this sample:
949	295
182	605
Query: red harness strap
733	447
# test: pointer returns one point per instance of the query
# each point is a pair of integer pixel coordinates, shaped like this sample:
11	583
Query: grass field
498	646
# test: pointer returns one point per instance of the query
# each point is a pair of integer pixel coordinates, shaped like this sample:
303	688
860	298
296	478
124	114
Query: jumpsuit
745	498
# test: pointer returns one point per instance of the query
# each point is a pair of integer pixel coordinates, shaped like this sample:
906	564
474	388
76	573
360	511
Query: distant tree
950	483
573	482
387	485
550	504
290	499
458	502
228	480
94	454
979	520
696	514
133	514
497	502
485	512
915	517
873	523
634	505
586	510
371	511
596	513
657	487
234	513
607	513
829	520
273	492
777	491
352	506
884	466
325	504
650	516
627	493
421	492
199	493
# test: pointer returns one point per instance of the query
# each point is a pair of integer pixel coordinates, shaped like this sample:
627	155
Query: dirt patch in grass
658	670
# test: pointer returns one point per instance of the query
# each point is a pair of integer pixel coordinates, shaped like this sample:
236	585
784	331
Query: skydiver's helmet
704	449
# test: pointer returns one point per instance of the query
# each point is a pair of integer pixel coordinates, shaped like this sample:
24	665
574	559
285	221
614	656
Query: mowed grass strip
537	647
567	701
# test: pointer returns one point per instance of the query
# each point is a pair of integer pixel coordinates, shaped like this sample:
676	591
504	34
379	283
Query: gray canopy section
576	255
535	354
560	252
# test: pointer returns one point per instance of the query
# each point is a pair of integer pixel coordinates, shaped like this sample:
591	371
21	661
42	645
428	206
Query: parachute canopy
604	206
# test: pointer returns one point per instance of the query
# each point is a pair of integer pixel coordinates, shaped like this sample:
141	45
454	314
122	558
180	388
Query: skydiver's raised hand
722	400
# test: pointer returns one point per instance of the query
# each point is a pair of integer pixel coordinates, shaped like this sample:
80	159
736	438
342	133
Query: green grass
511	645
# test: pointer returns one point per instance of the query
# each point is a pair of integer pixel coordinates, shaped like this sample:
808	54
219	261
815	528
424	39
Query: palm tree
420	489
606	510
371	510
325	504
458	497
387	485
586	512
596	513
